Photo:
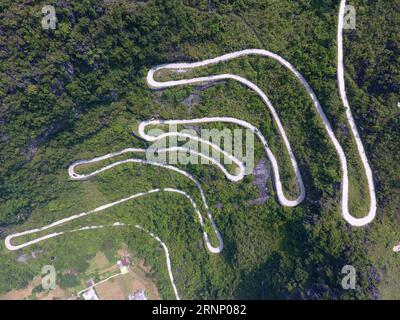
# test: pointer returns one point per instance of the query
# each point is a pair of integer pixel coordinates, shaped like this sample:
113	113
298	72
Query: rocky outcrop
261	174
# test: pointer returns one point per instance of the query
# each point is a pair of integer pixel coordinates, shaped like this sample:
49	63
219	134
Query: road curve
119	224
342	89
282	199
74	176
11	247
210	247
168	259
261	52
278	184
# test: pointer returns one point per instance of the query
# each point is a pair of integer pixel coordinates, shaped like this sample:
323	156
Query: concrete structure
123	265
90	295
137	295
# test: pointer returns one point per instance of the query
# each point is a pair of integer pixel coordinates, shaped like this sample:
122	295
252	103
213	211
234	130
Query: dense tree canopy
78	91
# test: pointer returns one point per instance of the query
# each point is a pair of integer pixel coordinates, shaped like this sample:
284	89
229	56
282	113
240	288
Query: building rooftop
90	295
138	295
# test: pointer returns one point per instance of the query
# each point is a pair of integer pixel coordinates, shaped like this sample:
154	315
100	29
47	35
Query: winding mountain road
368	172
342	157
354	221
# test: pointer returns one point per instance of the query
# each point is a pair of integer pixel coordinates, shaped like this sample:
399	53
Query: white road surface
165	248
261	52
183	67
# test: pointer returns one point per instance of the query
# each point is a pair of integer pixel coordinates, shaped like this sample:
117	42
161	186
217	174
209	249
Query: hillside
80	91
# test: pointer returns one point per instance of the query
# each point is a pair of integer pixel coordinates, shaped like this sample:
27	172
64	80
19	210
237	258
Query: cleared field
120	287
21	294
99	262
28	294
117	288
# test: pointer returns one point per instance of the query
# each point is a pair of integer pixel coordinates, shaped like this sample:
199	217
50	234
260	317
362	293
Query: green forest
79	91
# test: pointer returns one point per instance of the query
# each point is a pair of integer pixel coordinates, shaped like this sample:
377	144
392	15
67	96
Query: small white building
90	295
123	265
138	295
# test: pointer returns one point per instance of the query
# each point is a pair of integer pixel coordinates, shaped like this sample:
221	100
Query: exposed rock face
219	205
261	174
57	87
35	254
192	100
23	258
69	68
34	144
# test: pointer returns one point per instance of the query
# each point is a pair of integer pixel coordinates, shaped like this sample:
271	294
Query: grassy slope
304	248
